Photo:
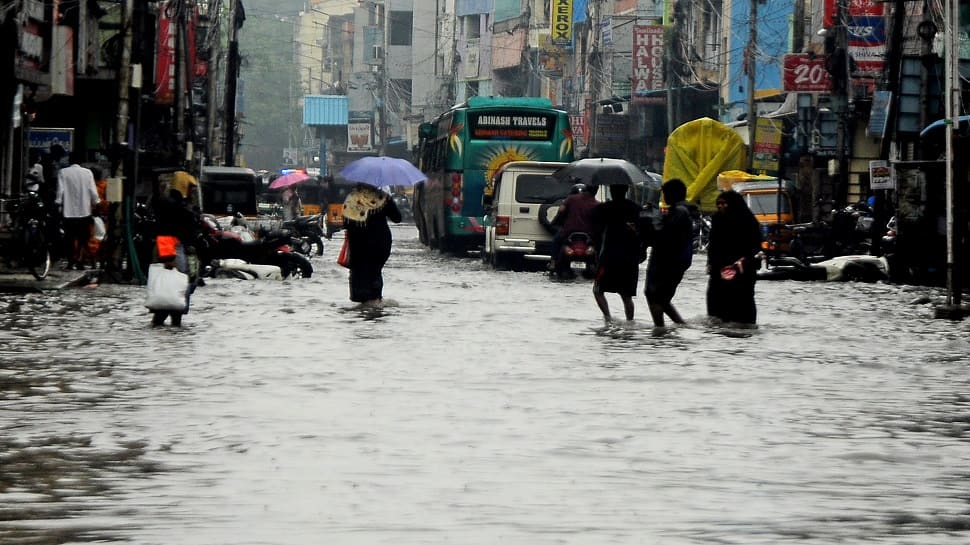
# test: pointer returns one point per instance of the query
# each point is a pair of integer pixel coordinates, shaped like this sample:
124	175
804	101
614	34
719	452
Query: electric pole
232	74
749	64
124	82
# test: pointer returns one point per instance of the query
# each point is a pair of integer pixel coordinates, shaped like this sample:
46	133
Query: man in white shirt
76	197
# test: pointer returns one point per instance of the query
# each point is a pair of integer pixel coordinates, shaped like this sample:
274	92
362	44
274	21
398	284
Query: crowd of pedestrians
623	234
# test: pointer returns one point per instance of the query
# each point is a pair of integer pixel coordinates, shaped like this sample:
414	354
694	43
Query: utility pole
749	55
842	90
178	97
232	74
382	83
124	82
213	74
952	101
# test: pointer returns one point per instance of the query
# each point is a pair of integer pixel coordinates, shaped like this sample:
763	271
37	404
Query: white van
514	233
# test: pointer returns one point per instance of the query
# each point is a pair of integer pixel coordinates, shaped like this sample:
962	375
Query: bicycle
22	240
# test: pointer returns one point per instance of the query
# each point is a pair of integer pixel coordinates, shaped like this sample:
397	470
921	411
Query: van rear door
533	189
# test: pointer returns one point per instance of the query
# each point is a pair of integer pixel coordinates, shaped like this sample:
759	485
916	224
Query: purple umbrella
383	171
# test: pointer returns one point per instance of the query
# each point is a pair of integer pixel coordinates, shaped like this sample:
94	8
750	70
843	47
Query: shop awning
325	110
940	123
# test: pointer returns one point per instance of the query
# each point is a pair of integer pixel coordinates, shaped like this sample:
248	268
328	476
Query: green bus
462	149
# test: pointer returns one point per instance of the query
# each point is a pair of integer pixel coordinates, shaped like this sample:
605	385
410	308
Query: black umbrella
603	171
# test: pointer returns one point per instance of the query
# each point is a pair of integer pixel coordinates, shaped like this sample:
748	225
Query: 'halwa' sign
648	64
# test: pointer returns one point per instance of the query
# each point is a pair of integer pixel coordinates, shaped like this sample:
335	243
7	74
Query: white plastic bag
99	230
166	288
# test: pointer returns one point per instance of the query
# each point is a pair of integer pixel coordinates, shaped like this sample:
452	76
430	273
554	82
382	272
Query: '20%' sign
804	74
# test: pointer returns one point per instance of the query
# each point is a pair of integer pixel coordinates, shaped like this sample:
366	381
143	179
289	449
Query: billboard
561	21
806	74
648	65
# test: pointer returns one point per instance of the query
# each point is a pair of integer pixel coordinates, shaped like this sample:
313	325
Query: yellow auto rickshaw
333	192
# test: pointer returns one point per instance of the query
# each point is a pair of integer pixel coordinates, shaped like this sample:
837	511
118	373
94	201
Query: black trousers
77	231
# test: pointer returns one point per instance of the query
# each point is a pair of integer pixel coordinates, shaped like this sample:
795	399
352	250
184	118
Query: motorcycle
144	229
24	241
702	233
308	233
578	248
264	247
404	205
838	233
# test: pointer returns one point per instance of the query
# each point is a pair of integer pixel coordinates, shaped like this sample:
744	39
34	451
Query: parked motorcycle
144	229
404	205
840	232
578	248
265	247
23	242
702	233
308	232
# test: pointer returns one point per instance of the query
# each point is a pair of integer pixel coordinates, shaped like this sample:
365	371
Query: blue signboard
42	138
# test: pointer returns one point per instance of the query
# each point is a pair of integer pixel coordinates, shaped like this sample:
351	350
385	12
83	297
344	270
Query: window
400	28
540	188
473	27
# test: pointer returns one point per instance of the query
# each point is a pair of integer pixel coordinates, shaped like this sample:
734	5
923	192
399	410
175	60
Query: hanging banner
767	145
561	20
62	61
578	124
648	64
806	74
867	36
165	58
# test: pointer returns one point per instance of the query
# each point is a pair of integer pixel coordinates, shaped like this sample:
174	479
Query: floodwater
481	407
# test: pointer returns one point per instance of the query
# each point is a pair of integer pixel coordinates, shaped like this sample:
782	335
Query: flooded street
480	407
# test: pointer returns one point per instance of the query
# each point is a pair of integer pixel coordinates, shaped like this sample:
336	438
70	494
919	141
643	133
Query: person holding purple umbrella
366	212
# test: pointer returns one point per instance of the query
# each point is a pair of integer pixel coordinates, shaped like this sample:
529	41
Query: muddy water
480	406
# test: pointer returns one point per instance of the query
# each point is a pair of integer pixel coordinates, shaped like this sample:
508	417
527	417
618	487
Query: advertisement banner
648	65
867	36
767	145
866	25
32	46
804	74
359	136
62	61
165	58
580	133
881	175
561	21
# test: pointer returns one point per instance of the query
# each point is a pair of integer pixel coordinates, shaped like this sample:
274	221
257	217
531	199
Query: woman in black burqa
366	212
735	241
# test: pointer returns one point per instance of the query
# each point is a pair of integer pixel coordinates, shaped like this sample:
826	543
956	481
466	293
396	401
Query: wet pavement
16	280
481	406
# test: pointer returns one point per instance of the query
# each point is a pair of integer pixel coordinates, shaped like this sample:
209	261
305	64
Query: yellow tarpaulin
697	152
727	179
